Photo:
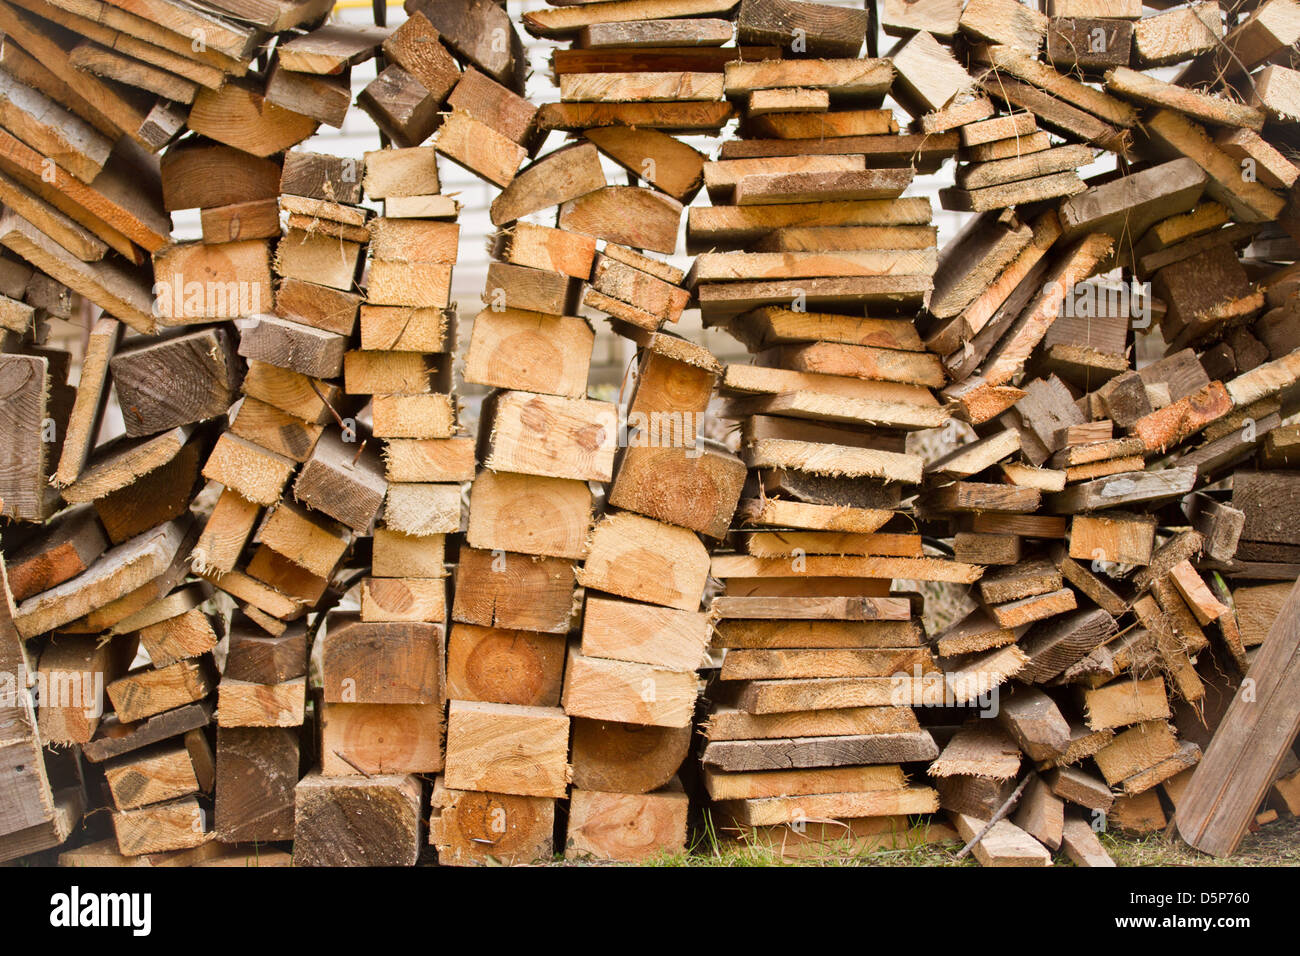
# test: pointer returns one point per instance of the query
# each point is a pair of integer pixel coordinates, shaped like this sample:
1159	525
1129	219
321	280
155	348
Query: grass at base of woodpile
1277	844
736	853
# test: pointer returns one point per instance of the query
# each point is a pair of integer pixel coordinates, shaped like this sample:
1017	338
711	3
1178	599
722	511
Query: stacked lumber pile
631	684
806	724
181	719
1100	622
297	484
1004	528
540	442
381	661
1102	596
573	491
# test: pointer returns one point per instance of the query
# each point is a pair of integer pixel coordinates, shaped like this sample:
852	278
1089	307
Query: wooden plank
567	21
1012	194
578	442
69	547
239	115
926	151
627	215
1123	489
529	514
714	227
1032	718
520	592
1065	88
789	810
479	148
119	571
176	381
245	704
601	689
116	738
692	488
381	738
485	741
113	65
401	107
415	47
331	47
1202	107
842	78
480	32
395	172
408	671
1004	844
768	189
174	825
741	266
1088	44
984	246
1030	166
685	117
351	821
779	754
643	559
504	666
557	178
144	693
766	102
827	30
704	32
344	482
1250	201
813	608
656	87
256	770
929	77
781	664
888	292
1177	35
461	830
1005	21
25	425
918	569
115	289
660	159
1052	112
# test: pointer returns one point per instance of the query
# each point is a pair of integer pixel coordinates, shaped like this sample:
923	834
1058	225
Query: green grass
707	847
1276	844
